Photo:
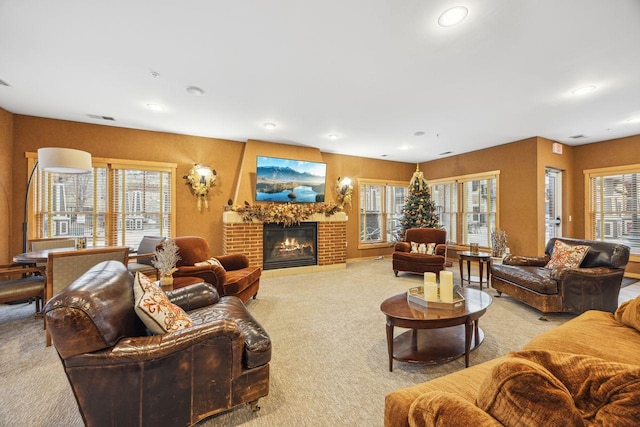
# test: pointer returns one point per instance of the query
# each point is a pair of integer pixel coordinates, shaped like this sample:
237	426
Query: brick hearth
246	237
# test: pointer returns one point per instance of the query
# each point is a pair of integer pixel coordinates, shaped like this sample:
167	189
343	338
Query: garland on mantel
286	214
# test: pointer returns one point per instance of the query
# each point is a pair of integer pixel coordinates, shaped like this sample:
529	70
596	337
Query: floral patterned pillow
154	308
566	256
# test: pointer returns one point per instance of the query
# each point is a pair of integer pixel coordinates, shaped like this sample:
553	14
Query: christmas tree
419	210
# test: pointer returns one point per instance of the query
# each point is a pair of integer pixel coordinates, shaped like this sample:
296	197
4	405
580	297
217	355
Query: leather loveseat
593	285
121	375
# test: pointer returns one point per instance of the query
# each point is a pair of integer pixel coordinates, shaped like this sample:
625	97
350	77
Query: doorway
553	203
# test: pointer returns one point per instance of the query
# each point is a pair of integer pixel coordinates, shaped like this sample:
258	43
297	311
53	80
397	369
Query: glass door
553	203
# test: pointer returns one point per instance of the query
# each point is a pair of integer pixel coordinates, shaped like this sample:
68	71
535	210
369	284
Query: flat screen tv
286	180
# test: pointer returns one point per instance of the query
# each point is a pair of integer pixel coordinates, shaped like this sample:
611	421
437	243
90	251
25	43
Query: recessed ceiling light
155	107
583	90
155	74
269	125
194	90
453	16
418	133
404	147
333	136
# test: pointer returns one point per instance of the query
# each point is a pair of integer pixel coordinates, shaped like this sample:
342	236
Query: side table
481	258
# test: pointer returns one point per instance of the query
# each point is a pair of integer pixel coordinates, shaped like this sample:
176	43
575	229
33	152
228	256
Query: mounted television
286	180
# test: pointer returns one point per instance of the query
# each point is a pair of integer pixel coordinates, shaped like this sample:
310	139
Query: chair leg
395	272
254	406
255	295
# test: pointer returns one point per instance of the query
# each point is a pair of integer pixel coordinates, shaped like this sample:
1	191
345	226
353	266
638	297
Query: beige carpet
329	364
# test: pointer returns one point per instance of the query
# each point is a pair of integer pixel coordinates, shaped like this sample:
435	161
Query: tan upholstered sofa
584	372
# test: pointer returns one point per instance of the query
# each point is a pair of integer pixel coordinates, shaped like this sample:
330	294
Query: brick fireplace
246	237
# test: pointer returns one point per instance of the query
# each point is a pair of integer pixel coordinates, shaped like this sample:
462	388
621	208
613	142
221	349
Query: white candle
431	292
446	286
429	277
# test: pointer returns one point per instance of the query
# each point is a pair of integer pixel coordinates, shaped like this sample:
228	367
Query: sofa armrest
212	274
149	348
403	247
592	273
584	289
441	249
194	296
233	261
527	261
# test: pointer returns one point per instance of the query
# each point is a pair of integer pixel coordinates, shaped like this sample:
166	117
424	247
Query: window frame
461	240
589	210
112	234
384	208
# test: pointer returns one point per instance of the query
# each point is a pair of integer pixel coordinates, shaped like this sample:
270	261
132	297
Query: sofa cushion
629	313
414	248
566	256
154	308
535	278
422	259
561	388
210	261
441	409
237	281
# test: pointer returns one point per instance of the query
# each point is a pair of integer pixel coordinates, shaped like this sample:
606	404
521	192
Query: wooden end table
435	335
481	258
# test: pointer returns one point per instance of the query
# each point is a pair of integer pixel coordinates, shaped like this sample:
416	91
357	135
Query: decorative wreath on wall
201	179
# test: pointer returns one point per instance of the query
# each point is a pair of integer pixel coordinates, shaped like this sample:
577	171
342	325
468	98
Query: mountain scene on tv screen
285	184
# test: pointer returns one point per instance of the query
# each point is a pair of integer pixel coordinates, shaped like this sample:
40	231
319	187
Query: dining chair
63	268
35	245
140	260
20	282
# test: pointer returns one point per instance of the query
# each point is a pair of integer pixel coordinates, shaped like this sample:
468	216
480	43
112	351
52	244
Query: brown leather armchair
594	285
123	376
235	277
404	260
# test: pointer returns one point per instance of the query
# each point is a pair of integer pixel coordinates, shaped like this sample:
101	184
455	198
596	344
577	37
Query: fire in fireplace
293	246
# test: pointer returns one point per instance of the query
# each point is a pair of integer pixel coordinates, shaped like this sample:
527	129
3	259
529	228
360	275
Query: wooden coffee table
435	335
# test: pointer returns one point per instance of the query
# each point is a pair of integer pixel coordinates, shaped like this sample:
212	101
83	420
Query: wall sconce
201	178
344	190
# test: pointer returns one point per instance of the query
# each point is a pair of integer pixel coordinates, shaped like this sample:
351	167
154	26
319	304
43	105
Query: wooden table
435	335
481	258
38	257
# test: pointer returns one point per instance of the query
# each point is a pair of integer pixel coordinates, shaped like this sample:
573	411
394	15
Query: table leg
475	332
480	265
469	272
414	339
390	342
461	276
488	273
468	329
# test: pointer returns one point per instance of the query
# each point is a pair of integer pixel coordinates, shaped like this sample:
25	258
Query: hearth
293	246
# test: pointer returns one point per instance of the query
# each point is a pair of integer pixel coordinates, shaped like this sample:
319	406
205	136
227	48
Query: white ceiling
373	72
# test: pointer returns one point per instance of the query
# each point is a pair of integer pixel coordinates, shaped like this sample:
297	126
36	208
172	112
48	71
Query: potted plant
166	260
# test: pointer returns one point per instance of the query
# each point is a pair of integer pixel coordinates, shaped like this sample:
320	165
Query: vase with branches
498	243
165	261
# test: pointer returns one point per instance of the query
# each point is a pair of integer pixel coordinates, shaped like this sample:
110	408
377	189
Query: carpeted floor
329	365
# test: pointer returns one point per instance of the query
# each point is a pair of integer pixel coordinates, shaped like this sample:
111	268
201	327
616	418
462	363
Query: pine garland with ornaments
419	210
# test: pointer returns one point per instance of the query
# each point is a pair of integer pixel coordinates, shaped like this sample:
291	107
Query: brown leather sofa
123	376
404	260
236	277
594	285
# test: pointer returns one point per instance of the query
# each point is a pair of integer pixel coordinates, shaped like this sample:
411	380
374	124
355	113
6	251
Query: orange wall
518	211
6	185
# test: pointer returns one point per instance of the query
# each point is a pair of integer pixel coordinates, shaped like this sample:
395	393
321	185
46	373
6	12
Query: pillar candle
446	286
429	277
431	292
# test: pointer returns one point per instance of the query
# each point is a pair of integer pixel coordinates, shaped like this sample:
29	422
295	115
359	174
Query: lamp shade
64	160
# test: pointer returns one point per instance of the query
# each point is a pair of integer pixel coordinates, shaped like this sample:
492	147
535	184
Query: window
467	207
613	206
117	204
380	211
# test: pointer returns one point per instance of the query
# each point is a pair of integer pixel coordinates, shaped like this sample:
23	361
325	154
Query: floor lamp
58	160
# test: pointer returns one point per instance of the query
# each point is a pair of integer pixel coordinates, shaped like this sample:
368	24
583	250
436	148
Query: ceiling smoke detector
577	136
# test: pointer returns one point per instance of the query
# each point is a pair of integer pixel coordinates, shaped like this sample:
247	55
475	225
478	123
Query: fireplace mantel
246	237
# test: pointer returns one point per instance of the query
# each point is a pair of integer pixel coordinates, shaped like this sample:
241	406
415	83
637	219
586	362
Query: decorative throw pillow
210	261
431	247
414	248
422	248
629	313
566	256
154	308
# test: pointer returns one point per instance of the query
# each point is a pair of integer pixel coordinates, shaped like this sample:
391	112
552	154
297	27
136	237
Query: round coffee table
435	335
